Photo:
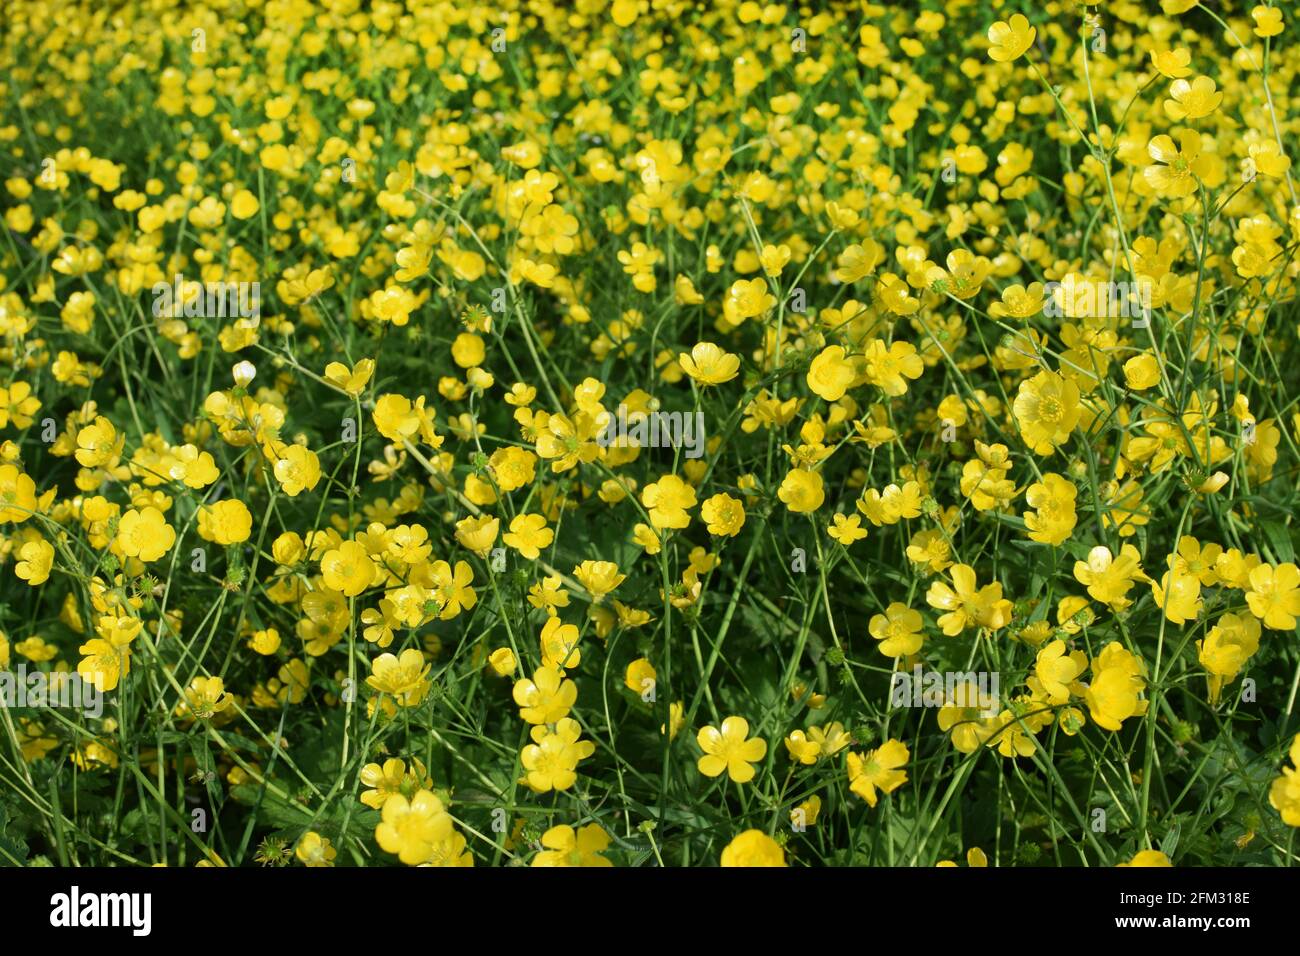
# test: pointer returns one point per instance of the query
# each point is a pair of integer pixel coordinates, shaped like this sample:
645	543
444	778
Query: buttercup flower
730	748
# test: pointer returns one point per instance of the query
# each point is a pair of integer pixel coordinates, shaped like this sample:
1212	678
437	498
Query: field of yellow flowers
648	433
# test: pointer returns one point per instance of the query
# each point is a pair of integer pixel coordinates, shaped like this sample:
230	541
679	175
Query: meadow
649	433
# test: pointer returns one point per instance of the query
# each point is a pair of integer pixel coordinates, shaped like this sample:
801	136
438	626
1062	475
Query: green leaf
13	849
1279	539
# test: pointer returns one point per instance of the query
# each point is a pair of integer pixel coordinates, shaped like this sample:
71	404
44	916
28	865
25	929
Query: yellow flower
208	214
451	587
930	550
802	491
546	698
392	778
893	295
17	495
468	350
646	538
598	577
889	366
194	468
1054	517
859	261
18	405
1142	372
565	442
225	522
831	739
709	365
965	605
892	504
401	677
745	299
204	698
503	662
1192	100
1008	40
1047	409
548	593
1274	595
731	749
265	642
879	769
623	12
640	677
297	470
967	714
1173	64
801	748
1123	507
395	418
1073	613
413	828
347	568
775	258
1019	302
478	534
846	529
1148	858
1117	681
753	848
244	205
668	500
1179	595
36	558
898	630
831	374
1108	578
144	534
353	381
528	535
1212	483
1179	167
512	467
103	664
98	443
315	850
1284	793
1226	649
841	217
118	631
567	847
559	644
723	514
1268	21
676	720
1055	671
551	761
33	648
1269	159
